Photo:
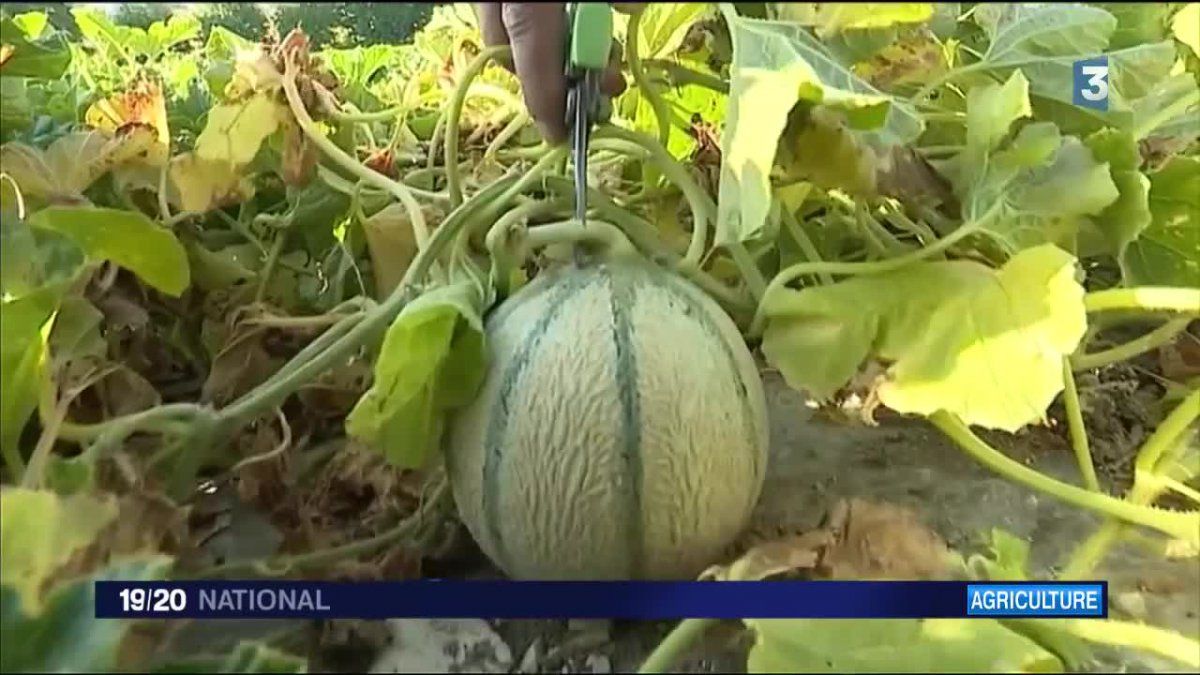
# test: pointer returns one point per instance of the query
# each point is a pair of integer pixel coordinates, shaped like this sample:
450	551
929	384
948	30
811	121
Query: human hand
537	33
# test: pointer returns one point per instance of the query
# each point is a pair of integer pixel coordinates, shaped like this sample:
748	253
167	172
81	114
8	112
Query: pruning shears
589	43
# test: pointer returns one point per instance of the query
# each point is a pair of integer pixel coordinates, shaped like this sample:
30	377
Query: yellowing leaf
835	17
984	344
893	645
433	359
1186	26
201	185
253	73
775	65
141	106
235	131
72	162
41	531
127	238
392	246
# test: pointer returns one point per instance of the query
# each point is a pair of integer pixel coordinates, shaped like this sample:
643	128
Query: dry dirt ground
816	459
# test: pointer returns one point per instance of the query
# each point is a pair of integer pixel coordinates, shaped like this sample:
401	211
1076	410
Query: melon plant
229	263
621	432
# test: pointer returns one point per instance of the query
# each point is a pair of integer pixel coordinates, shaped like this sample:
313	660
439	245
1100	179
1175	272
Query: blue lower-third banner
617	600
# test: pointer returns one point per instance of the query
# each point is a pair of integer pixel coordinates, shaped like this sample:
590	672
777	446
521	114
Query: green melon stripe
498	423
749	418
622	298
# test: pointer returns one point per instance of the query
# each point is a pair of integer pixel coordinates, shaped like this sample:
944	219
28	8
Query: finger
491	24
537	33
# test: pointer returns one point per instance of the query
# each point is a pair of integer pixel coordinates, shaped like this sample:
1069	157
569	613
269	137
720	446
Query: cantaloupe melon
621	432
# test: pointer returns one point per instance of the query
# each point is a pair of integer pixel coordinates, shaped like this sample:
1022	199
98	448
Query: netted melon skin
621	432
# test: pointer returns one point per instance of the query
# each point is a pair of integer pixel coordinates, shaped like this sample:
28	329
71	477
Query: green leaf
31	259
1009	558
179	27
1142	92
992	109
22	351
1121	222
41	531
433	359
893	645
946	328
23	56
1024	33
224	44
1167	252
32	23
1137	22
776	64
65	635
127	238
316	212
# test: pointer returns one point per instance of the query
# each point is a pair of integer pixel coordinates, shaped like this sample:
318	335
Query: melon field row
344	288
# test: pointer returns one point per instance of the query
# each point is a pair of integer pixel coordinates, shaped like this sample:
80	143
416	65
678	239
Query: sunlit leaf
201	185
1185	25
833	17
392	246
433	359
24	55
142	105
22	354
235	131
127	238
893	645
41	531
775	65
944	327
1026	32
1168	251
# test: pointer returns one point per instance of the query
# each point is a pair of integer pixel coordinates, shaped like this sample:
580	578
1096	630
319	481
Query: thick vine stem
299	371
499	240
702	207
1138	636
680	74
657	104
339	157
645	236
668	652
1185	526
1079	439
1155	338
454	113
1145	298
793	272
595	232
1153	459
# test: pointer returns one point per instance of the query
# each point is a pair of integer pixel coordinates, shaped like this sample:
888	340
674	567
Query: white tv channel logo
1090	83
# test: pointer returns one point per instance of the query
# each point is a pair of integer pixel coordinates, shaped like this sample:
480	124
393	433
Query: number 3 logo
1097	89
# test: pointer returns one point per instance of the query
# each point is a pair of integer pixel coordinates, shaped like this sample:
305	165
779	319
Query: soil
816	459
